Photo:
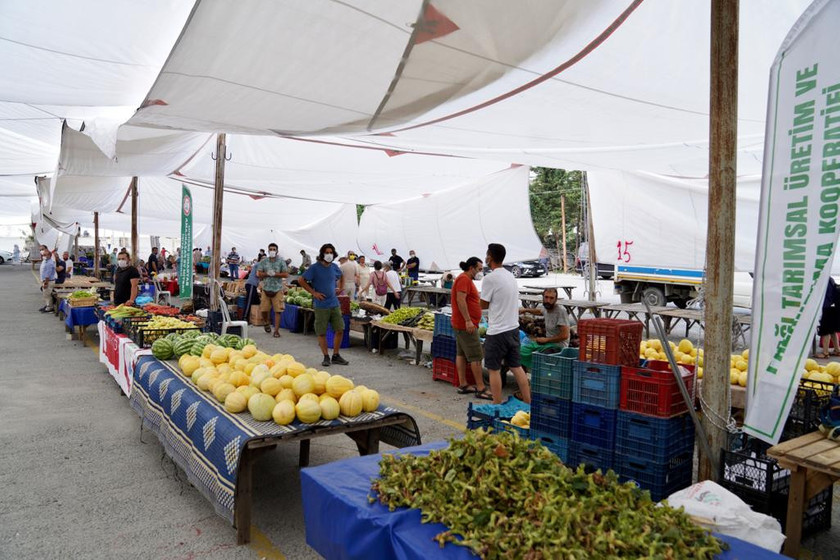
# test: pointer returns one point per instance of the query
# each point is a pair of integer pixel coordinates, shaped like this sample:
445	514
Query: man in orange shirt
466	314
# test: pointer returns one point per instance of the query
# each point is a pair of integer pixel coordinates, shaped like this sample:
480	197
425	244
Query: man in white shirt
350	272
68	263
392	299
500	295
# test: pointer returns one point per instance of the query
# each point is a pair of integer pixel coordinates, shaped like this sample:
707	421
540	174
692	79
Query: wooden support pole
218	197
96	255
135	242
590	237
720	244
563	230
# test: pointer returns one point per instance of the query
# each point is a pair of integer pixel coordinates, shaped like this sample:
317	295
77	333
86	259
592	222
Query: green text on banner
185	270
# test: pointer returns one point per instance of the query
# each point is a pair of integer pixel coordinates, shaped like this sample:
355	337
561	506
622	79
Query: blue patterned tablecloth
203	438
77	316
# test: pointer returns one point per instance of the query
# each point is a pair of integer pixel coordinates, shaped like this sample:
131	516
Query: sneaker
337	359
43	309
326	362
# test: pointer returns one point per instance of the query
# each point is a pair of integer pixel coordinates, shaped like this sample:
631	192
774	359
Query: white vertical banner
798	220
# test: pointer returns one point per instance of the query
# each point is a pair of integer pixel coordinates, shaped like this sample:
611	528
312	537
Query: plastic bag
716	508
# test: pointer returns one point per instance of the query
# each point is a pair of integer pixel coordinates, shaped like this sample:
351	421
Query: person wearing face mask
271	271
350	271
412	266
324	281
556	328
126	280
47	278
500	296
466	314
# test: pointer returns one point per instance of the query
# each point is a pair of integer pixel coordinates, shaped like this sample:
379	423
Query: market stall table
814	464
419	336
120	355
388	329
342	523
566	288
425	293
633	311
217	449
741	321
77	317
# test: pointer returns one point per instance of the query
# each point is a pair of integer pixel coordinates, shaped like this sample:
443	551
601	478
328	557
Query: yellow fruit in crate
219	356
656	344
310	396
222	390
679	356
249	351
742	379
284	412
329	407
699	373
271	386
693	352
295	368
688	360
239	379
302	384
261	406
811	364
700	360
247	390
190	365
661	357
236	402
650	354
734	374
308	411
370	400
320	378
822	377
833	368
741	365
350	403
337	385
286	394
685	346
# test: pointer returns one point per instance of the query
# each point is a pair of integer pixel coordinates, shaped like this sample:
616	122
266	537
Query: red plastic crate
653	391
444	370
610	341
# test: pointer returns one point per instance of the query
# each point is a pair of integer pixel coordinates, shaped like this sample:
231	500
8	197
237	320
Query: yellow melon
286	394
350	403
284	412
236	402
308	411
329	407
261	406
270	386
337	385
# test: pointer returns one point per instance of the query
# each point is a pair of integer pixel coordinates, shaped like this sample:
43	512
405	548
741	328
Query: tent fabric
447	227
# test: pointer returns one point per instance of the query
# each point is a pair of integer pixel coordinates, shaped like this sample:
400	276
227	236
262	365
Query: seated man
556	328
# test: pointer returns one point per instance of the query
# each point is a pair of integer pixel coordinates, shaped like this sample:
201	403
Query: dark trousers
250	299
392	301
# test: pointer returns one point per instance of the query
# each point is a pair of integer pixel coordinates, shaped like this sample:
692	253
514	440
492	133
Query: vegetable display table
217	448
429	294
814	464
342	523
77	317
120	356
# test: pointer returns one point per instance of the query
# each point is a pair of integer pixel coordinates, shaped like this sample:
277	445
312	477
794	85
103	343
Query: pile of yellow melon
829	373
738	364
685	353
275	387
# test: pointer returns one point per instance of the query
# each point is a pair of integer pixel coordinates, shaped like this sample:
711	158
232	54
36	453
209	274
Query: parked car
5	256
519	269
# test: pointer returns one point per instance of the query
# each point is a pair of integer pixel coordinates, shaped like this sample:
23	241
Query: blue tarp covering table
80	317
216	448
341	523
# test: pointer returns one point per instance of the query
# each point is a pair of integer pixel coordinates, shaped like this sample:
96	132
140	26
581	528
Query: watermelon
230	340
162	349
198	346
190	334
183	346
243	342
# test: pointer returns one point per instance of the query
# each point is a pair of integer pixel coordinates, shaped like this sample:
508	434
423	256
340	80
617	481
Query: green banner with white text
185	269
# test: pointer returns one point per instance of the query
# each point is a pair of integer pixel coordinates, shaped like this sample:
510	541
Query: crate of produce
444	370
483	415
129	325
443	325
144	338
660	478
811	396
653	438
590	455
504	425
593	425
610	341
653	390
596	384
557	445
443	347
552	373
551	415
89	301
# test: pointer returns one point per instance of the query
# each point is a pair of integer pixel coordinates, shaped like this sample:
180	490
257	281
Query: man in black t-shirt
126	281
152	263
412	265
60	269
396	261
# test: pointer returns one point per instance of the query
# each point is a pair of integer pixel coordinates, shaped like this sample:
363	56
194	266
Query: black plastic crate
145	338
591	455
443	347
551	415
653	438
804	416
660	478
593	425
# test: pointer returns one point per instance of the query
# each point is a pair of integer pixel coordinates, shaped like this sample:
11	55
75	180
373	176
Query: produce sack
721	511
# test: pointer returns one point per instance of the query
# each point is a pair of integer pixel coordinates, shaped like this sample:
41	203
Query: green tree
360	209
546	188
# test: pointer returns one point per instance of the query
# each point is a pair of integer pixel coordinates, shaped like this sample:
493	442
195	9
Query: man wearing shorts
466	314
500	295
320	280
271	271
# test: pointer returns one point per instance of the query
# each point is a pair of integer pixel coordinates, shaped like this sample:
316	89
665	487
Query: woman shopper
829	321
379	283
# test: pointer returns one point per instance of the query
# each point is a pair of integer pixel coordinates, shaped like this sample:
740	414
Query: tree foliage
360	209
547	186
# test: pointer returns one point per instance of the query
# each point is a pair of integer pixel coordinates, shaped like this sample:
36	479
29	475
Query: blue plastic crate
653	438
443	347
443	325
661	478
594	425
502	425
591	455
557	445
345	337
596	384
551	415
552	373
482	415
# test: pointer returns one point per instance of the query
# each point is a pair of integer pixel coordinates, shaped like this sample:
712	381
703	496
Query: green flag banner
185	270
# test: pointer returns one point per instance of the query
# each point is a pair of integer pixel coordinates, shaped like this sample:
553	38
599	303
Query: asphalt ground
81	480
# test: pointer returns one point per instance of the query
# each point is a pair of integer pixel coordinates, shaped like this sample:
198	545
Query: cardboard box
256	317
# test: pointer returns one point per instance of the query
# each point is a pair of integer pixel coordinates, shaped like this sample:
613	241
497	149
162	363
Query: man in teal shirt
324	281
271	271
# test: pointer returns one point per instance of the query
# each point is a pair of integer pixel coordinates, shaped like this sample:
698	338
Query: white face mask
122	264
272	254
329	257
479	275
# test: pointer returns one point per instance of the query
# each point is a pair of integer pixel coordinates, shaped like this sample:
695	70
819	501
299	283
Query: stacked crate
551	393
606	345
444	351
654	432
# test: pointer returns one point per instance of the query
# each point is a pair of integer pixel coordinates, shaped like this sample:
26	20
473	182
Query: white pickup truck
659	285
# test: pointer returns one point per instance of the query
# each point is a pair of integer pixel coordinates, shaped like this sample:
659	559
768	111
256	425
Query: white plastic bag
721	511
